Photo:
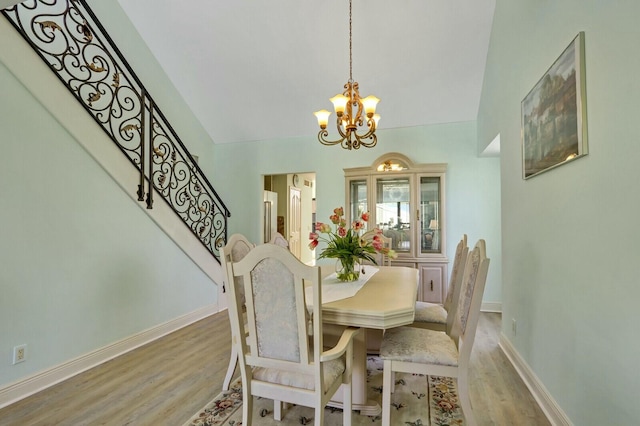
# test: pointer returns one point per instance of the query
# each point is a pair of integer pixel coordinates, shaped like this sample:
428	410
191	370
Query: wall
570	235
473	187
83	266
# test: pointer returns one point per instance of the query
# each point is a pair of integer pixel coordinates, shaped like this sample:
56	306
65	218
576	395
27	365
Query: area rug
417	401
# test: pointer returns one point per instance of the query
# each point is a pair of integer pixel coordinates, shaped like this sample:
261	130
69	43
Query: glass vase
348	269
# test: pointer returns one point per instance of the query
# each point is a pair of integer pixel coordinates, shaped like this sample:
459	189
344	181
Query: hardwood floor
498	394
167	381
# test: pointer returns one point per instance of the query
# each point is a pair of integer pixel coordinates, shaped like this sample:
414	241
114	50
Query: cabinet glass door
393	197
430	214
357	199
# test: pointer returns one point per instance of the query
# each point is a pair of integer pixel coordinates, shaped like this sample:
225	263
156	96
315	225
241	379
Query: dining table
384	297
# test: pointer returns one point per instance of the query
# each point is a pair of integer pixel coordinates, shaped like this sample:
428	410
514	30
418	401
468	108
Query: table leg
359	398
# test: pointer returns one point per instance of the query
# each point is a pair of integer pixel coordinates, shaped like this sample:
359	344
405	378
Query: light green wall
570	235
82	265
473	183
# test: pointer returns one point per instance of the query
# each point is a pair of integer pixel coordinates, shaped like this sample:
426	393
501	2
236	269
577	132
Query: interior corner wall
473	183
570	235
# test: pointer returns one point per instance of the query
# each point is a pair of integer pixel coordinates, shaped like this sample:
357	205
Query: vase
348	269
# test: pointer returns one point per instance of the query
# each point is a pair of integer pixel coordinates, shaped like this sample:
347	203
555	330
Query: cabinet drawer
432	287
402	263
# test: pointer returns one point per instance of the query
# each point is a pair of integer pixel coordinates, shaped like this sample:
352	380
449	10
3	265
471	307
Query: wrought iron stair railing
68	36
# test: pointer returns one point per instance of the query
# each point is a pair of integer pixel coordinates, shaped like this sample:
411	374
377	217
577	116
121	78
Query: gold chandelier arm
361	140
372	129
322	134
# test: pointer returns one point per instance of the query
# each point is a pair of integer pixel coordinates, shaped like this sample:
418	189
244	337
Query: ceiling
257	70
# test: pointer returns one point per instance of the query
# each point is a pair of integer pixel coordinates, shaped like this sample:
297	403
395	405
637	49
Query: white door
295	221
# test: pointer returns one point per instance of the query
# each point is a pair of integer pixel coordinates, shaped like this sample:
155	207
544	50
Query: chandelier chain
350	47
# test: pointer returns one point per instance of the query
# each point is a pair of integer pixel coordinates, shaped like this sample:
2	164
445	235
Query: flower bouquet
348	245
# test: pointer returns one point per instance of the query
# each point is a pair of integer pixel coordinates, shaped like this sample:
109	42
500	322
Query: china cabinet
406	201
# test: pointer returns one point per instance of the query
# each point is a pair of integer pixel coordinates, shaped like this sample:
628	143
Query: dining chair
280	347
237	247
435	316
280	240
422	351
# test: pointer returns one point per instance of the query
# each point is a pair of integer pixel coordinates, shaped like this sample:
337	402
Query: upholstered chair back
279	240
459	261
468	311
276	312
238	247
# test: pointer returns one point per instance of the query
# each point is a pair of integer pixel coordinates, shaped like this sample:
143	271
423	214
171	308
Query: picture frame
554	114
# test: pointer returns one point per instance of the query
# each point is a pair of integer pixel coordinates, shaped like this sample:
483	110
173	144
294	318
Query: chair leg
347	404
465	401
247	408
233	361
277	410
387	375
319	420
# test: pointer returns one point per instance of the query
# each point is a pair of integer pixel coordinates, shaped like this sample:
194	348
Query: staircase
70	39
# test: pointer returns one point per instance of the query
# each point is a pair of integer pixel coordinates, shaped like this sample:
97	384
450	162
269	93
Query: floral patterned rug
410	403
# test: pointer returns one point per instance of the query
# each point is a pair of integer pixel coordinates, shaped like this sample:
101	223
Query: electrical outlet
19	354
514	326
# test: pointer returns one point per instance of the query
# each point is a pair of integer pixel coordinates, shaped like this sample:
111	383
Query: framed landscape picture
554	114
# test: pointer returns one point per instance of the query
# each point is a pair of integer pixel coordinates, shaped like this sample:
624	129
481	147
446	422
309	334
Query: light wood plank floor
167	381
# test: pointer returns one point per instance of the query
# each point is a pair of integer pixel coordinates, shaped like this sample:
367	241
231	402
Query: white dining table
386	300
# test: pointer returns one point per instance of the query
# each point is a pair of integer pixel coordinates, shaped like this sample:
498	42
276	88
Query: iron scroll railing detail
67	35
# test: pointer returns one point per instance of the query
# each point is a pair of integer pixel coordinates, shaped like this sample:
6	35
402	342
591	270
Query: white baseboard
546	402
40	381
491	307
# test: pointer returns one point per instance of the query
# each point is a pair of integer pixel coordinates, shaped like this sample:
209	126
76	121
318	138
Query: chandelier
349	107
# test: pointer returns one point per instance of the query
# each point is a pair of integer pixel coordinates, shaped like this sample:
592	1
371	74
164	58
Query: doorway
294	215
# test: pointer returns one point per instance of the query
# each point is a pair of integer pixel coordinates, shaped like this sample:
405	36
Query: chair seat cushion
430	312
419	345
332	370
